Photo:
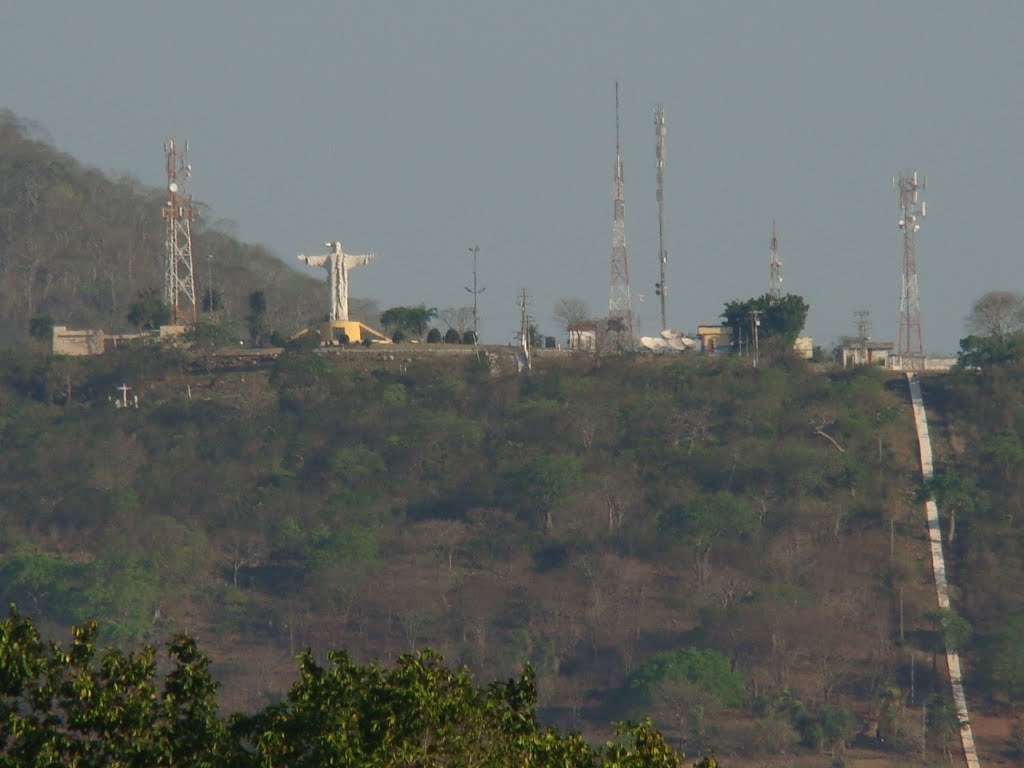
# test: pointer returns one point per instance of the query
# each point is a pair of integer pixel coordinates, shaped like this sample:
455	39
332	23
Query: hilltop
79	246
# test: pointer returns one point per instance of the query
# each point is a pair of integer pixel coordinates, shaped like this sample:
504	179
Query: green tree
1003	659
213	299
837	727
257	319
206	337
40	580
40	328
954	493
707	670
121	590
706	519
983	352
412	321
640	746
953	630
536	489
781	319
148	312
89	708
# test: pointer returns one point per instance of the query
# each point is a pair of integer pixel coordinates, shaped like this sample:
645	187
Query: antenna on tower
661	287
863	326
179	215
911	210
620	310
775	283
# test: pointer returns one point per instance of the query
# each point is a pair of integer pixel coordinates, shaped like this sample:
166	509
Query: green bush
707	670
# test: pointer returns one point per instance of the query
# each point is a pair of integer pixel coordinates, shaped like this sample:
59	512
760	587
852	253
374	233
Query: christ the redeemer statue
337	263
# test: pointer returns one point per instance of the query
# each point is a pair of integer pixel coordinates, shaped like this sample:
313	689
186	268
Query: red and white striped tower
179	215
911	343
620	308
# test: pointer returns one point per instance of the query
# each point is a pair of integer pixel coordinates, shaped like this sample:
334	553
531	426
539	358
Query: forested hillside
79	246
737	552
979	484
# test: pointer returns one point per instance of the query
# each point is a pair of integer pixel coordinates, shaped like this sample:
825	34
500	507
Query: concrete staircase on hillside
939	569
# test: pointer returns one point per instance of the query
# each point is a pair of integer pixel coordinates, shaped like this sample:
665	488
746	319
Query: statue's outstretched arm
358	261
313	261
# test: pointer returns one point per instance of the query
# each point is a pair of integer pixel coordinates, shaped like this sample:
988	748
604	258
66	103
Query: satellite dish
652	343
173	187
681	344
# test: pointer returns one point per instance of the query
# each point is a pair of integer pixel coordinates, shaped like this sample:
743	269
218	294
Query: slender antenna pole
475	250
661	288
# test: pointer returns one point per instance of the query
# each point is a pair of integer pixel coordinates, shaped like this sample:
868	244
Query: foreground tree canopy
84	707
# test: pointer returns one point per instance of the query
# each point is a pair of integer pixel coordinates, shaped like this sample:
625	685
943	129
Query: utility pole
755	323
911	209
475	250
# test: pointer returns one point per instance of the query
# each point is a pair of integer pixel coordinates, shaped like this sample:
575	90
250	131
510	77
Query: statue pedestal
333	332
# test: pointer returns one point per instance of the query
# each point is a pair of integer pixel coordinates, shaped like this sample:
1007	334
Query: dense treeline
980	489
723	548
85	707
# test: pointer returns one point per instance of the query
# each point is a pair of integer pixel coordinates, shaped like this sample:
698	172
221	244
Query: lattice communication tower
863	317
179	215
661	287
912	210
620	309
775	281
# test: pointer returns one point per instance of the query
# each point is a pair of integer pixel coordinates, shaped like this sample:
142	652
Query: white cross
337	263
123	389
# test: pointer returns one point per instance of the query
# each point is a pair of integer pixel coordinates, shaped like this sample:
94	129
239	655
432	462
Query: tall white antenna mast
620	309
661	288
775	282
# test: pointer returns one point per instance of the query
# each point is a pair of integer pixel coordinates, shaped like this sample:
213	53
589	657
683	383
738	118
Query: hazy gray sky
416	129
